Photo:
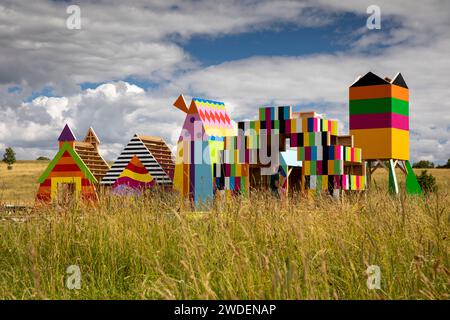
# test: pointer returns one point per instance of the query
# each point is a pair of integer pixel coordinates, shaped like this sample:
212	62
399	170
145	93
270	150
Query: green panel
312	138
313	170
380	105
400	107
301	152
262	114
276	124
412	186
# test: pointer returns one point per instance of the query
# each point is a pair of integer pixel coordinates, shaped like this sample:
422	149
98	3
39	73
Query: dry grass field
250	248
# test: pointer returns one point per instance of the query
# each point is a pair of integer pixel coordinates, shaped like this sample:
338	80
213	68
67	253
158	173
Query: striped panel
137	147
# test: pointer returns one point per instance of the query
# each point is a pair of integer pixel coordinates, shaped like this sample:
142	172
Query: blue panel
203	183
314	153
310	124
330	153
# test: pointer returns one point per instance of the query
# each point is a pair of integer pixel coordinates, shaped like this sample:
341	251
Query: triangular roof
67	134
154	154
369	79
90	134
214	116
81	165
399	81
135	175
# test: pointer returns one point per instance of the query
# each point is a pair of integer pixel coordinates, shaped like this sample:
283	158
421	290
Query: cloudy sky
129	61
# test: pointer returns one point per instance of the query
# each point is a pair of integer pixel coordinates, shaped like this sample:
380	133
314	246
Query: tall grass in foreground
255	248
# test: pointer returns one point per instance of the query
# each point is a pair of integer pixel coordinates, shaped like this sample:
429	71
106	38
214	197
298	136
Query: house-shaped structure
74	171
205	127
153	153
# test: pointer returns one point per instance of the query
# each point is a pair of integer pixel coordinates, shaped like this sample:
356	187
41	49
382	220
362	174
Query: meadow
249	248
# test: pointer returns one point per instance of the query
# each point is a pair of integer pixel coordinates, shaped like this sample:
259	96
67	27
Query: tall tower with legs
379	122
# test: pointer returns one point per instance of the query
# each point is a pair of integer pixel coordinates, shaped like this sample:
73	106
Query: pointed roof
214	116
369	79
91	135
67	134
66	147
399	81
135	175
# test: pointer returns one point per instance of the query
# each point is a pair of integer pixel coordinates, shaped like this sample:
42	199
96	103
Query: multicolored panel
135	176
308	139
319	182
275	113
287	126
214	117
352	182
352	154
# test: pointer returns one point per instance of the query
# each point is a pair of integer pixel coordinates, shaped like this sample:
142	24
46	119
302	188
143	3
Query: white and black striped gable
138	148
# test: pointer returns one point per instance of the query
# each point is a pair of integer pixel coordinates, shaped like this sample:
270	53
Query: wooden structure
152	152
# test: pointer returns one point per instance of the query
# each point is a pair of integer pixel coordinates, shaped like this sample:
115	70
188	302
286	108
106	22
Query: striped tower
379	122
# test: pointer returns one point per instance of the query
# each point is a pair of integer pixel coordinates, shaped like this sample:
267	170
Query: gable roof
399	81
66	147
369	79
214	117
91	136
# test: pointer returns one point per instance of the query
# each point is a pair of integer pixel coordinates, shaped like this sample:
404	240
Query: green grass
255	248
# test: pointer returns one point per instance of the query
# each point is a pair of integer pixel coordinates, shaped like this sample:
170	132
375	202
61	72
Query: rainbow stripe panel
214	117
134	176
379	117
344	182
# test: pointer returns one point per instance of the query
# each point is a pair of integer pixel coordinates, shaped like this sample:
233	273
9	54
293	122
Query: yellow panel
383	143
55	181
400	144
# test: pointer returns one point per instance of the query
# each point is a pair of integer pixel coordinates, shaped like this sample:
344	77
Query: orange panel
66	174
370	92
400	93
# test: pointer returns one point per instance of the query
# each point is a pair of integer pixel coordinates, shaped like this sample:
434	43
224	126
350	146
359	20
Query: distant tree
427	182
446	165
9	157
42	158
423	164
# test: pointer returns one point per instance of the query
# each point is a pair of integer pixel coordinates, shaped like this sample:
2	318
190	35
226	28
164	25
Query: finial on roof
67	134
180	103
